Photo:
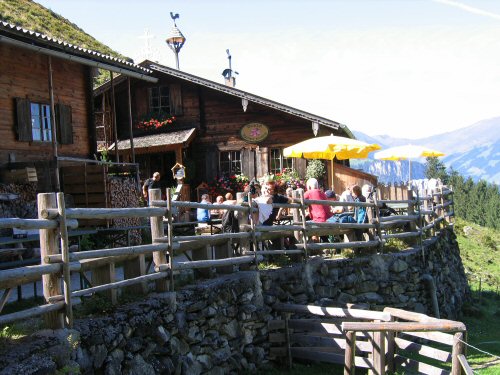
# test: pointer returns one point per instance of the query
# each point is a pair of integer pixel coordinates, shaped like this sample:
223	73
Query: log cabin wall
24	74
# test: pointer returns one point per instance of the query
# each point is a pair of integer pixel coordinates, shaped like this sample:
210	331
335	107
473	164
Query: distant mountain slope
33	16
472	151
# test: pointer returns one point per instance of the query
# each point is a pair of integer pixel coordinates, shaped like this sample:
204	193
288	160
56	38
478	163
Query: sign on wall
254	132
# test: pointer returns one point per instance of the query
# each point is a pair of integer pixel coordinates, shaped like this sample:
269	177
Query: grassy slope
33	16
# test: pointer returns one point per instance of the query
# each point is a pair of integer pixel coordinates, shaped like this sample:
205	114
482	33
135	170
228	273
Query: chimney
230	81
229	78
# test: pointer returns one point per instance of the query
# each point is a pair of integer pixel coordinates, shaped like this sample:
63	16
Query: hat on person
330	194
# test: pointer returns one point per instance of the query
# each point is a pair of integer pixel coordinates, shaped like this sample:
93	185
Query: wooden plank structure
353	337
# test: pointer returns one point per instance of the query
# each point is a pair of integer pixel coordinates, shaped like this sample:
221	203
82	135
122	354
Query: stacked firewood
124	193
18	200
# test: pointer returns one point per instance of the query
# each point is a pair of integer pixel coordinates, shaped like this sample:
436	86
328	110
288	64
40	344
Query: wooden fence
380	341
419	217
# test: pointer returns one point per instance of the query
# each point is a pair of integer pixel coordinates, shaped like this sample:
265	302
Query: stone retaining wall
220	326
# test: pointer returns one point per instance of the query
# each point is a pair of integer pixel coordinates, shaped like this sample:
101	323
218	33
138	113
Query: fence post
296	217
305	236
379	352
252	227
170	233
390	350
157	231
48	246
411	210
458	348
376	221
61	207
350	352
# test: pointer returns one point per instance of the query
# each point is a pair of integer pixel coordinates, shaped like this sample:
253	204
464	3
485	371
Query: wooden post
379	353
252	226
61	206
458	348
105	275
411	211
130	125
48	246
350	352
157	231
304	231
170	234
134	268
390	350
296	217
378	230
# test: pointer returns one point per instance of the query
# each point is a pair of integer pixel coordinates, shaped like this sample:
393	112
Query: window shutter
176	100
23	112
301	166
64	124
248	162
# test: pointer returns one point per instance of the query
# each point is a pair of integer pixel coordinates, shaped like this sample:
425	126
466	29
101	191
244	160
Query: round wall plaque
254	132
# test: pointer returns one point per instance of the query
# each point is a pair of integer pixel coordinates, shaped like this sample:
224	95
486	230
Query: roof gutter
78	59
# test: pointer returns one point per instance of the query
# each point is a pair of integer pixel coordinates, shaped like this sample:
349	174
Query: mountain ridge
473	151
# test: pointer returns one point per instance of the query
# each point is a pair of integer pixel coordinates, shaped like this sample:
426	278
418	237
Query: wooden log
278	228
458	349
120	284
276	252
402	235
320	341
34	223
465	365
308	202
48	246
208	263
181	204
390	349
61	207
342	245
413	366
350	353
414	316
5	297
305	235
170	236
441	326
107	213
211	239
405	201
440	337
332	311
117	251
423	350
398	218
49	309
322	327
133	268
157	231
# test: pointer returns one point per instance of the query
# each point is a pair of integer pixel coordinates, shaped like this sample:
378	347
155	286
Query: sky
406	68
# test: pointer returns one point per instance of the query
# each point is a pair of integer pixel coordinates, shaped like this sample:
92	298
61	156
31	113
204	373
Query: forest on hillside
477	202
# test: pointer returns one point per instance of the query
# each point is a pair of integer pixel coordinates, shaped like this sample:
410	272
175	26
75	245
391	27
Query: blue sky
408	68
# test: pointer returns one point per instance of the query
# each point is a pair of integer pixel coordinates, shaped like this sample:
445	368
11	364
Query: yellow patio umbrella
330	147
407	152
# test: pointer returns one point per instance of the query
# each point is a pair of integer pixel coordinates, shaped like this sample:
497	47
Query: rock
420	308
368	286
232	329
99	354
163	335
114	363
137	366
399	266
134	344
345	298
371	297
398	289
205	361
324	269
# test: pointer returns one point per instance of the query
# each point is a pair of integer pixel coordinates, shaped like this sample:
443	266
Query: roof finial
174	17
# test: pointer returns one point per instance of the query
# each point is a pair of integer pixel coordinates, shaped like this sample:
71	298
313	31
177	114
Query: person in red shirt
317	212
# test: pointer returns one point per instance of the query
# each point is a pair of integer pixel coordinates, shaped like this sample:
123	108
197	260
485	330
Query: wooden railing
425	217
380	341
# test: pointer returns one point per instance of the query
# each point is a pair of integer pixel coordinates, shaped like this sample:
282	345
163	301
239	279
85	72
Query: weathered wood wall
24	74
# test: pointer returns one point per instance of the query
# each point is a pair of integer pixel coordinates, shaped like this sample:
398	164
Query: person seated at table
264	204
331	196
203	214
283	212
218	213
229	199
360	216
318	213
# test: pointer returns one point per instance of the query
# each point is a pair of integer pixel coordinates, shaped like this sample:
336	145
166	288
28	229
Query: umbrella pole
409	172
332	187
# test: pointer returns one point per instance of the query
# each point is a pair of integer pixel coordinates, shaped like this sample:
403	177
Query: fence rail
419	218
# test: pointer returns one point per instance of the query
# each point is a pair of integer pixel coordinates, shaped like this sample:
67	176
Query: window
159	99
41	126
230	162
278	162
34	122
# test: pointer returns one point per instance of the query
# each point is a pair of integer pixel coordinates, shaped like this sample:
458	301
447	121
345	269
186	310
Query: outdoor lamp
315	128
